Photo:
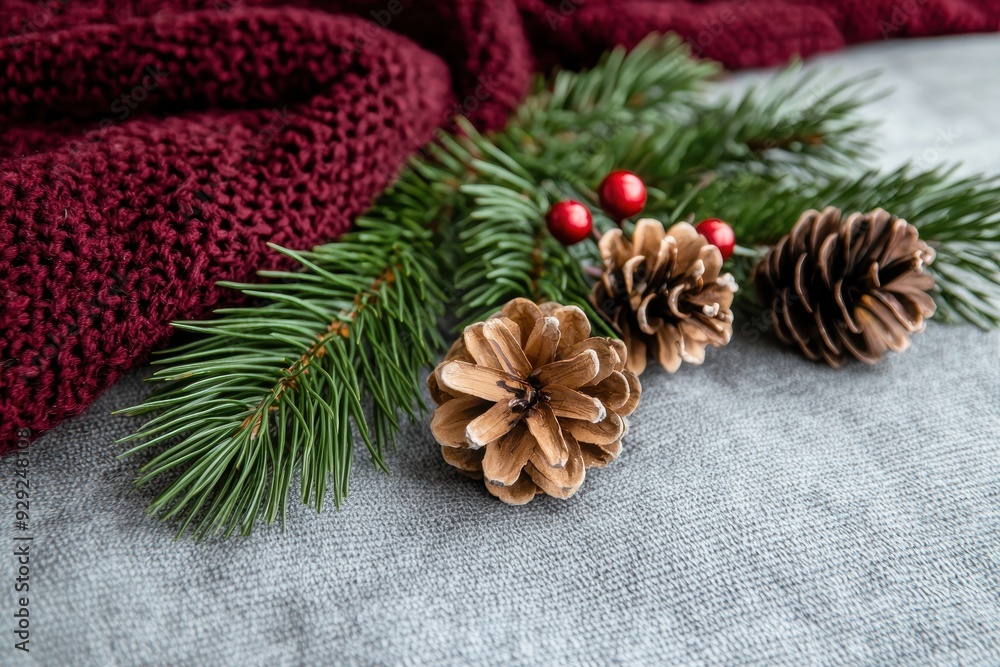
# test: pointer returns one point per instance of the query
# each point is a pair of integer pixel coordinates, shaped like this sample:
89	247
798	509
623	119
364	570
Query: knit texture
149	148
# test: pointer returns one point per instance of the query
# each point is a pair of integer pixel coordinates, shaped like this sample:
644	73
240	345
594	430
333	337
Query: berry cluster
623	195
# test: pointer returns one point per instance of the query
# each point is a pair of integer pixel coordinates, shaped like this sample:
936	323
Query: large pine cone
663	292
847	288
528	401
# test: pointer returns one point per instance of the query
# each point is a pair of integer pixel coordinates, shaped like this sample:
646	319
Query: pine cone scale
845	311
595	456
520	492
800	281
507	349
496	422
787	332
648	325
898	334
907	314
573	372
479	348
668	349
543	343
572	404
551	444
449	421
608	358
636	343
574	326
602	433
647	242
503	462
468	461
826	326
559	482
489	384
612	392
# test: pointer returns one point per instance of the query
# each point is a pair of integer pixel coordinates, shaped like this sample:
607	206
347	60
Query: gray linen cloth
764	511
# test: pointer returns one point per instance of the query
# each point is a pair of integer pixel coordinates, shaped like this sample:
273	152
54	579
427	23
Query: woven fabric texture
149	148
764	512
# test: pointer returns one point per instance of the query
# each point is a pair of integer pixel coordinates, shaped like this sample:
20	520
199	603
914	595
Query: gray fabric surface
764	511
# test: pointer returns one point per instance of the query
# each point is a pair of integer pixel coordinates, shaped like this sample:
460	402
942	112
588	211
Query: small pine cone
839	287
663	292
528	401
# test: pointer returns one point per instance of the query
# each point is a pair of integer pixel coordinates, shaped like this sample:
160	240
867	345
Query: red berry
569	221
718	234
623	194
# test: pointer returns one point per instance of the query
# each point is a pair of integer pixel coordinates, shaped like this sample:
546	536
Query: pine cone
528	401
663	291
839	288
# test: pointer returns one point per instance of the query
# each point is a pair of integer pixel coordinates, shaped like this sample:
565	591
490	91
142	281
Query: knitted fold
150	148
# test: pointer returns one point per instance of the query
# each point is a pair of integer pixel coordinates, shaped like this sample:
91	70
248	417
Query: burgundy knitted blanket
149	148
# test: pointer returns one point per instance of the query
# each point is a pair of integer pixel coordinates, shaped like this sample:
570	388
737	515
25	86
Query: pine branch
960	218
275	388
506	251
647	111
656	77
272	389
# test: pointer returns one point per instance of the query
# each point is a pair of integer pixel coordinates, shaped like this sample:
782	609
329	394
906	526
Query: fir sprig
275	388
272	389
